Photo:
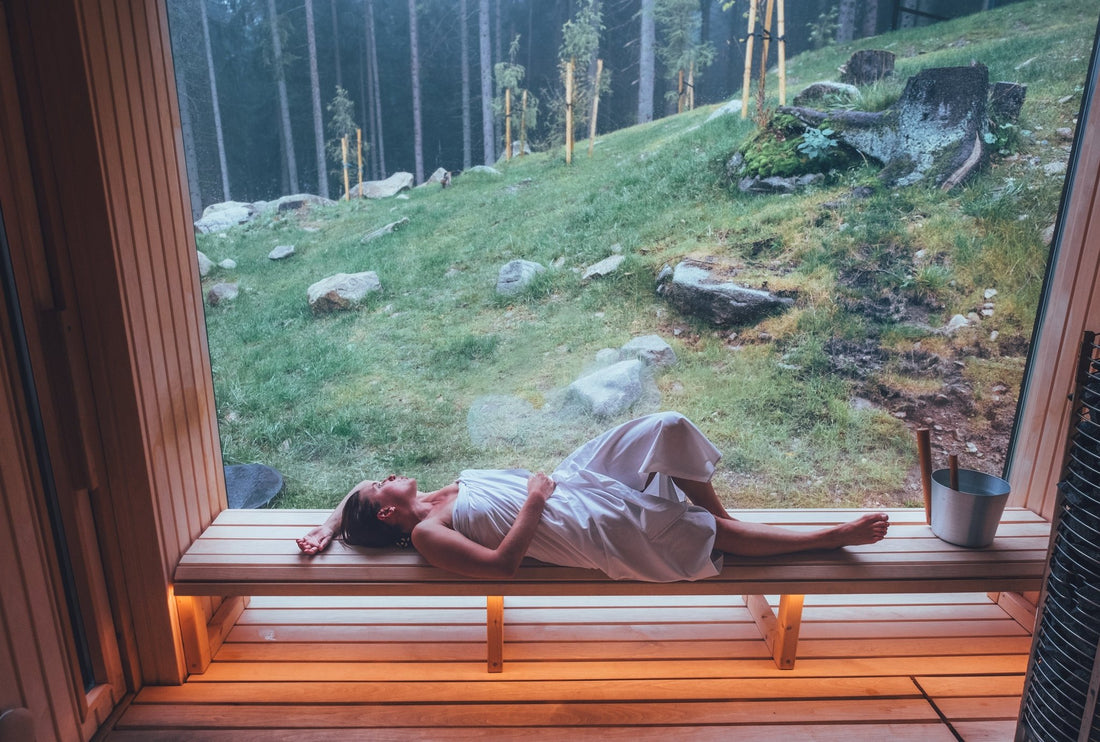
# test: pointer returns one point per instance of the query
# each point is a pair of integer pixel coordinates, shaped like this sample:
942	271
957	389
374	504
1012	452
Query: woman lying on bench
614	504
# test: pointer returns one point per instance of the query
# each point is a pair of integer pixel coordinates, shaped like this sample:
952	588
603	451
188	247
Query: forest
268	88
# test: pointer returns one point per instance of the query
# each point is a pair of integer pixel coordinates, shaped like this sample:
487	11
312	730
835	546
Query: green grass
388	386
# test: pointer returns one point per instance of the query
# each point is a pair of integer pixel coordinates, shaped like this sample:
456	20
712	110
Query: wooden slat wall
1073	307
103	140
35	658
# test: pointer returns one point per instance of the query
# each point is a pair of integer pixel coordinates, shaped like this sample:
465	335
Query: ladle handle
924	453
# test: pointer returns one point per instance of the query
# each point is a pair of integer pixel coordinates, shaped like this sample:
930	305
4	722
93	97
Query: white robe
599	517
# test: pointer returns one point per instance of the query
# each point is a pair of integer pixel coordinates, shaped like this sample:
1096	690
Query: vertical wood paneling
1073	307
32	625
129	69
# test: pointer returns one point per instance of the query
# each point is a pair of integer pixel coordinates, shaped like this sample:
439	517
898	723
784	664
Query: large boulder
609	391
700	291
342	291
935	130
220	217
387	188
651	350
516	274
299	201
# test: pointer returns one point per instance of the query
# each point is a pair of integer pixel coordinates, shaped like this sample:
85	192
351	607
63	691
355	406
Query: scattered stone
1006	99
1047	235
515	275
205	264
222	216
229	264
342	291
726	109
387	188
990	293
484	169
388	229
1054	168
860	404
607	356
299	201
987	312
971	448
973	318
955	324
777	184
1065	132
695	290
605	267
650	349
867	66
281	251
220	292
827	92
993	336
609	391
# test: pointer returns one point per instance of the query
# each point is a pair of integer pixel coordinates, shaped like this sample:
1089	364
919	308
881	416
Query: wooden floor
910	667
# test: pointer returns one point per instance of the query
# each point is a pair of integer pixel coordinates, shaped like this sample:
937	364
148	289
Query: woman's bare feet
867	529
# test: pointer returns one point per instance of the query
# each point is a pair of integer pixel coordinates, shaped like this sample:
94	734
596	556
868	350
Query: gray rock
342	291
609	391
1054	168
391	186
388	229
608	356
281	251
515	275
229	264
605	267
205	264
955	324
483	169
299	201
776	184
829	92
730	108
220	292
220	217
695	290
651	350
437	178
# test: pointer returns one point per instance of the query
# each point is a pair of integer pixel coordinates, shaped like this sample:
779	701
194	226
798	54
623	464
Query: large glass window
894	303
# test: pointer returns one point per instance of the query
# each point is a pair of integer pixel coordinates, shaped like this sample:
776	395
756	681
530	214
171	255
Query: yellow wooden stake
782	55
523	126
767	30
344	146
595	107
691	88
507	123
569	112
748	59
359	144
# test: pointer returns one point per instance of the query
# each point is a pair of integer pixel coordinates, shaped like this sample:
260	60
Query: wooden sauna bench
252	552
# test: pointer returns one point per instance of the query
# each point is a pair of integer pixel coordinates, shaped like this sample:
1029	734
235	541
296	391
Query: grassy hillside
331	400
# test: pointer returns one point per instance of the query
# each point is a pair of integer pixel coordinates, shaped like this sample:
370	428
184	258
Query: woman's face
393	490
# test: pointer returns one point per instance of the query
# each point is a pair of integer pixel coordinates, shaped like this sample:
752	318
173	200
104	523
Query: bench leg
780	632
494	632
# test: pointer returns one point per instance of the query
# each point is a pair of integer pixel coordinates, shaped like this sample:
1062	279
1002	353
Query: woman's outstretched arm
445	547
319	537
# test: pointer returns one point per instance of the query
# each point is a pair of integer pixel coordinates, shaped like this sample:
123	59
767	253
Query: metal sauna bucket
969	515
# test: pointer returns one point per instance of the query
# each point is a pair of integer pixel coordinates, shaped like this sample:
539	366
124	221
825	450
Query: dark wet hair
360	526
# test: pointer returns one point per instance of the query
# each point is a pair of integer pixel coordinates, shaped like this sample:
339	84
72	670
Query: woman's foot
867	529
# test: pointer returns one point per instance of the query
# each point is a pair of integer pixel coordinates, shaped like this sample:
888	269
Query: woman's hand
540	486
316	541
